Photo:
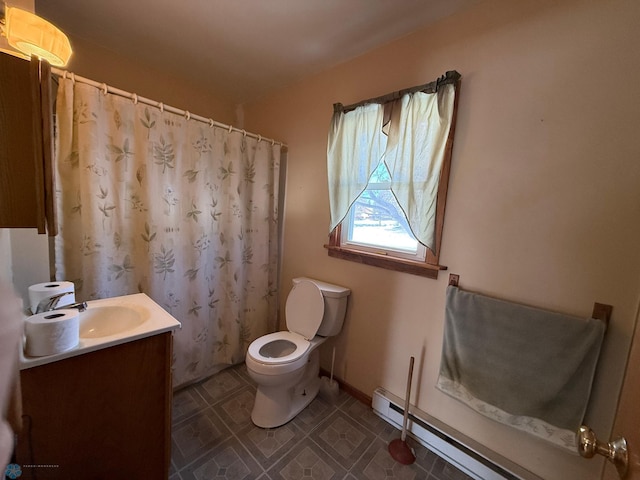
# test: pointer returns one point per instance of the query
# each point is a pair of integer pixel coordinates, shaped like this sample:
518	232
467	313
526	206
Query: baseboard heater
465	453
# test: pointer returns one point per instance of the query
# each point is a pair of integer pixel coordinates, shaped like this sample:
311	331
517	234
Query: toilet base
275	406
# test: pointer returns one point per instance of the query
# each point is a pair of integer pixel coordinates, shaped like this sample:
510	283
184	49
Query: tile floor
213	438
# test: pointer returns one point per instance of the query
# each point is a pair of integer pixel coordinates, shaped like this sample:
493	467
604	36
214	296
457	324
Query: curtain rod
451	77
159	105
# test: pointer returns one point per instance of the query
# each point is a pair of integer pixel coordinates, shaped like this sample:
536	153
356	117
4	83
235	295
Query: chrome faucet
51	303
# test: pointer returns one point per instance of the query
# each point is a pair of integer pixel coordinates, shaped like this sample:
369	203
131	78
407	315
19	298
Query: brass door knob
615	451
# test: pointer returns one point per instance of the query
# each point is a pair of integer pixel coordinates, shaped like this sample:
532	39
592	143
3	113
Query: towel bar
601	311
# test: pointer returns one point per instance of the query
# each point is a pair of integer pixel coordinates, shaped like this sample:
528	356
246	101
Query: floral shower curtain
149	201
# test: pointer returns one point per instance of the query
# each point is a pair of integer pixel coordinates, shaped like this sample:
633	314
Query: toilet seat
265	351
286	351
304	309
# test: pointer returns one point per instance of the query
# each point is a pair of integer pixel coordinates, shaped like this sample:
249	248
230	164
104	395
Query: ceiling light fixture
33	35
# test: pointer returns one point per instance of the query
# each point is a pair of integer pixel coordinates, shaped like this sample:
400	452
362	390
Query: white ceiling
242	49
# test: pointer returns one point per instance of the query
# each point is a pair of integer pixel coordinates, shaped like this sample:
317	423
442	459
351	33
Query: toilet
286	364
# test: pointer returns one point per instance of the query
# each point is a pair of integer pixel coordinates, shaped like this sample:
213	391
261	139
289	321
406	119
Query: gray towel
530	368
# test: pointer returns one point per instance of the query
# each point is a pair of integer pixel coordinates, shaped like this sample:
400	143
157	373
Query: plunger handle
406	402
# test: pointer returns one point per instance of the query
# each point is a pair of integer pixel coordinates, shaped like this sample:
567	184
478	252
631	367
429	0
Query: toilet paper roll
42	291
52	332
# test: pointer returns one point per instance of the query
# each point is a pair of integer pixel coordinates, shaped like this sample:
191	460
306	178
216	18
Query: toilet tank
335	306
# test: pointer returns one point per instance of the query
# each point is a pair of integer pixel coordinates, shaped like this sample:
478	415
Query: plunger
398	448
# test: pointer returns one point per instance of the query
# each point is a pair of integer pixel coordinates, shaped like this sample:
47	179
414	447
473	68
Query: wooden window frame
430	266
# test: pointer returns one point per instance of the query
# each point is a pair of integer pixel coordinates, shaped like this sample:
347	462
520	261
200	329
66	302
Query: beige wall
30	260
544	195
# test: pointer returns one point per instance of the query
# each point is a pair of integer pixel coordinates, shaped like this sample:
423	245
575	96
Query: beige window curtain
355	148
414	156
418	129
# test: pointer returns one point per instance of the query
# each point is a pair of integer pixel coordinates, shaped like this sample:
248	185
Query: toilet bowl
285	365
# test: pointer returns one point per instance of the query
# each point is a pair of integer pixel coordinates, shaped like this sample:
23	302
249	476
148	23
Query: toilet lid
278	348
304	309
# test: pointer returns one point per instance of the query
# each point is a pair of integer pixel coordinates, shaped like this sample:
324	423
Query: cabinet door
102	415
21	144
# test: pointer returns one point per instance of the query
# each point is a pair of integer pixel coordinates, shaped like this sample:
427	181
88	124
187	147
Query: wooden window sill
383	261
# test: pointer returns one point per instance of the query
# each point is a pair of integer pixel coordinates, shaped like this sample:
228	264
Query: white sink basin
112	321
104	321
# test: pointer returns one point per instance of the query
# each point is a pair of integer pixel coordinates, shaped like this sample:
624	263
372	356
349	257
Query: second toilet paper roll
52	332
42	291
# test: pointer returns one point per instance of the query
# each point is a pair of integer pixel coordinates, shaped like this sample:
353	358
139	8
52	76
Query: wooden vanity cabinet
26	144
101	415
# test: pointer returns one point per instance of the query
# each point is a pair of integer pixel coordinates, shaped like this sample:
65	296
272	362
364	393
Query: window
388	162
376	223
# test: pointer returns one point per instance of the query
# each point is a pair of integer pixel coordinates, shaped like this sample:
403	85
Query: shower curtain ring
105	89
187	115
64	75
273	142
161	107
134	97
211	123
259	138
230	128
244	133
73	78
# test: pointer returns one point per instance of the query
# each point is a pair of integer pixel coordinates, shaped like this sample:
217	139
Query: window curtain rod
451	77
159	105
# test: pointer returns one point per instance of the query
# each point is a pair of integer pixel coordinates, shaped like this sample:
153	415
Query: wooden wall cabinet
26	145
100	415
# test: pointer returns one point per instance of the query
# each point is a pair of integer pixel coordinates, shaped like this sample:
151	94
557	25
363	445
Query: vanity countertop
150	319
